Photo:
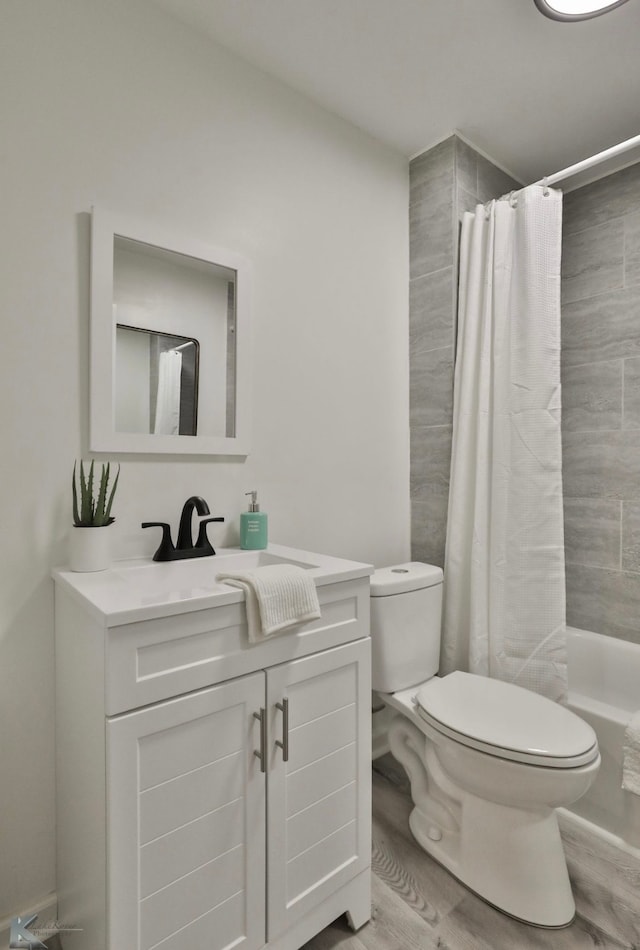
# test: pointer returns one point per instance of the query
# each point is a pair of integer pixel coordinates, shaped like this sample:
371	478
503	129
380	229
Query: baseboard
46	908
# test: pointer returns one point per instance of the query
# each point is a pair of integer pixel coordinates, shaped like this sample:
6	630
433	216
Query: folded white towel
278	597
631	756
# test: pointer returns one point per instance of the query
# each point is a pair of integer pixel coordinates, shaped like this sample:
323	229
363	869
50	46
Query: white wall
113	103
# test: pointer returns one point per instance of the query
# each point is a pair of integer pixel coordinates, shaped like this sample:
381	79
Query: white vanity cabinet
186	821
211	793
319	825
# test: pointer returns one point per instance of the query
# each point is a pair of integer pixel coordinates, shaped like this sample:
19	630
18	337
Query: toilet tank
406	609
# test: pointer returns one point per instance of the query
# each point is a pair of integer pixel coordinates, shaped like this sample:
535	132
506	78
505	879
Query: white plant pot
90	548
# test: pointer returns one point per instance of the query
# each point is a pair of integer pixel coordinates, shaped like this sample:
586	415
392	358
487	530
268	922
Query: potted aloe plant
93	496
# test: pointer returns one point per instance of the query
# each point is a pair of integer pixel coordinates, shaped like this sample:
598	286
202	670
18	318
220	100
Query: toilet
488	761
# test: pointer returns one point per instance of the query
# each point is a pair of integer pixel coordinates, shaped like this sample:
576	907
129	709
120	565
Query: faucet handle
203	543
166	547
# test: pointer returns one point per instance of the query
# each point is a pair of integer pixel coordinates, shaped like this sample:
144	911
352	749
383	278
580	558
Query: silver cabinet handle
263	738
284	744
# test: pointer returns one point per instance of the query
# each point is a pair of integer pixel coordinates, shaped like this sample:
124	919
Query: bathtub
604	689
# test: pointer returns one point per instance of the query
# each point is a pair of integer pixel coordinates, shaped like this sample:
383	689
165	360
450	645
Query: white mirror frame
103	436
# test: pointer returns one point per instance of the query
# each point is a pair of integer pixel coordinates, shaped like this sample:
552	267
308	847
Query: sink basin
198	574
141	589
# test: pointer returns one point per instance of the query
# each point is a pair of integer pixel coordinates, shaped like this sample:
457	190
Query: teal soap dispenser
253	526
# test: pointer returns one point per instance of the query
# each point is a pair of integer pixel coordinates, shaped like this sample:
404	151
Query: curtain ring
545	187
513	199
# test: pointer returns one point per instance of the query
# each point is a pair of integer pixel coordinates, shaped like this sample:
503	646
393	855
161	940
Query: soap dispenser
253	526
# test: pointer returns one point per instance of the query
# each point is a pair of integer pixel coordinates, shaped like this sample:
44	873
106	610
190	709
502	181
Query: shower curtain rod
590	162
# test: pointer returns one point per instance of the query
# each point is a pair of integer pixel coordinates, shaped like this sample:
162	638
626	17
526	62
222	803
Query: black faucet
185	547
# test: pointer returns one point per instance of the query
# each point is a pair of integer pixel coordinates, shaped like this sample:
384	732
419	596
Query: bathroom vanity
210	792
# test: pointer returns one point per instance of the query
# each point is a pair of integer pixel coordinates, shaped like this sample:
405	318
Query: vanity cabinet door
319	809
186	822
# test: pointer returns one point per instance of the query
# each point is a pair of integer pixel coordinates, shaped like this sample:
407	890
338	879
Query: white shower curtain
167	421
504	597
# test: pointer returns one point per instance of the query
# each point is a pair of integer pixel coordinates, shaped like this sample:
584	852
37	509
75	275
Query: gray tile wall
431	321
445	181
601	403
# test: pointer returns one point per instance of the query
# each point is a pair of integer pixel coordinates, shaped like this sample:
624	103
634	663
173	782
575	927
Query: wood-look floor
417	905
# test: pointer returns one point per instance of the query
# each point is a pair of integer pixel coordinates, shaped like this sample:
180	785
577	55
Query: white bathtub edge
588	827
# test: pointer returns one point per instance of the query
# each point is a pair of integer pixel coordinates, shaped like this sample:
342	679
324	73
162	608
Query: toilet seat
505	720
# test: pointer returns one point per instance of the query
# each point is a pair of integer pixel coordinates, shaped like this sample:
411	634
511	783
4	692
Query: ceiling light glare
576	9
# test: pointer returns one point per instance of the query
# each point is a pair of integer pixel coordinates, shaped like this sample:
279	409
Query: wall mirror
169	343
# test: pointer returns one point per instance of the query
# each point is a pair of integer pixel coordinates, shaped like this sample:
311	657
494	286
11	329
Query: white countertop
143	589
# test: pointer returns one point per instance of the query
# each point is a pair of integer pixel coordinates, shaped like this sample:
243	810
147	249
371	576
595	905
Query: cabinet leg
359	910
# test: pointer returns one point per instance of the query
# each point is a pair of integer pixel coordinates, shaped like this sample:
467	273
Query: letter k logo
19	935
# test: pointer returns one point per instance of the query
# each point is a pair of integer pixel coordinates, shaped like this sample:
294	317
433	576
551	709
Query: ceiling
534	94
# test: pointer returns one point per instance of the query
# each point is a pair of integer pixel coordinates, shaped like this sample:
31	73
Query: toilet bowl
488	761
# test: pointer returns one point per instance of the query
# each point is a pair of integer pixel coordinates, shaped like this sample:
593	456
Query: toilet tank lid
401	578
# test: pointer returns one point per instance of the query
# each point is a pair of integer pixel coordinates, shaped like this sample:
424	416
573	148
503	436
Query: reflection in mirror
156	382
172	299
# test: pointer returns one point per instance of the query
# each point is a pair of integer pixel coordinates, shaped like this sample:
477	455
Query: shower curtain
504	596
167	420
